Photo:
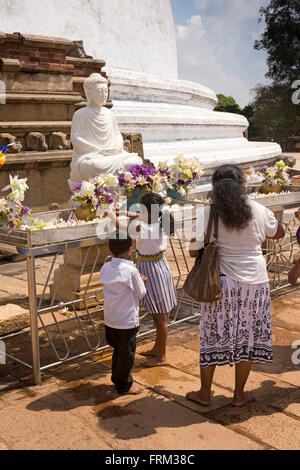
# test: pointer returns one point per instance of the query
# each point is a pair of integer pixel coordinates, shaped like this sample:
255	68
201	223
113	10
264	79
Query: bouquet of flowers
97	192
275	175
143	177
12	212
181	174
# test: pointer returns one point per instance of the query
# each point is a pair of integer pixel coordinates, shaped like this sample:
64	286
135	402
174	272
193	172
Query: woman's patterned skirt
238	327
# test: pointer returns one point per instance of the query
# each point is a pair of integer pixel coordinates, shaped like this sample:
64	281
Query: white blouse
240	251
151	239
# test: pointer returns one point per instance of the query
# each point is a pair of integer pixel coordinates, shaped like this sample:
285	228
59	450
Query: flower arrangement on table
15	215
142	177
139	180
12	212
94	196
181	174
275	177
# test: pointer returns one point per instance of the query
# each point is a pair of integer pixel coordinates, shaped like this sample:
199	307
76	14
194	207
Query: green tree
227	104
275	116
248	111
281	40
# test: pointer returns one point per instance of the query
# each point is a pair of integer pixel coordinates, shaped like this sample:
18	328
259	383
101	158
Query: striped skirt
161	293
238	327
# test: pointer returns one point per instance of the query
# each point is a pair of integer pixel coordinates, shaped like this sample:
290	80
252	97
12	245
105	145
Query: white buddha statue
97	141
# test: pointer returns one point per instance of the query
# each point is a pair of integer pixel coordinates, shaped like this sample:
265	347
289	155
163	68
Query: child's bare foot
243	398
156	362
198	398
134	390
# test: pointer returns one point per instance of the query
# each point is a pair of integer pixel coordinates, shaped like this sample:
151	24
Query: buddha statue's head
96	90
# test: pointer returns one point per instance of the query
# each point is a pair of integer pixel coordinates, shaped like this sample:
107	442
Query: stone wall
43	90
44	87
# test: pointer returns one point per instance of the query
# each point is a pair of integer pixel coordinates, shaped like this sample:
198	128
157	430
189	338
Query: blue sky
215	45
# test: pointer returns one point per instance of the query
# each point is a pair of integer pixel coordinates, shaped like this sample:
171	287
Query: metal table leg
34	321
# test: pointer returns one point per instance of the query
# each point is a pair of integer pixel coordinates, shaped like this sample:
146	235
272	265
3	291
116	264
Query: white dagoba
137	40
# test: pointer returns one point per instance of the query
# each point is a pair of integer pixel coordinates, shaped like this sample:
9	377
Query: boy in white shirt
123	288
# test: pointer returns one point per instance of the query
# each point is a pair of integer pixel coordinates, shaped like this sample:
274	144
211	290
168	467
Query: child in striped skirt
152	238
160	298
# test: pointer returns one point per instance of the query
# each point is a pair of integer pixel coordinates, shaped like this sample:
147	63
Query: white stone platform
177	116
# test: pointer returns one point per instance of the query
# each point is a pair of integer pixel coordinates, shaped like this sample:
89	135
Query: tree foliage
281	40
275	115
227	104
272	114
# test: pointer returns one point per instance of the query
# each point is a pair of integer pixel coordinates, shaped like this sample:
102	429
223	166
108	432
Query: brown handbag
203	281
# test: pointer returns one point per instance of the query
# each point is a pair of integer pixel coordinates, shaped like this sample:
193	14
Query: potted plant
181	175
139	180
94	196
12	212
276	178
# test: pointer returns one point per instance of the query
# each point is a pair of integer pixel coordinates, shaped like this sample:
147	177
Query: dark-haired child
123	288
152	238
151	229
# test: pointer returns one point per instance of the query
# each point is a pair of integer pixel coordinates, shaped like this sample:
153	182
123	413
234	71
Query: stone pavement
76	406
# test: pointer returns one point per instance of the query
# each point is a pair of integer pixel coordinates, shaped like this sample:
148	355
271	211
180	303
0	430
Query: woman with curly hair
237	328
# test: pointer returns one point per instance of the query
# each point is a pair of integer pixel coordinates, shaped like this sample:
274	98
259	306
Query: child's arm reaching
131	215
114	217
130	226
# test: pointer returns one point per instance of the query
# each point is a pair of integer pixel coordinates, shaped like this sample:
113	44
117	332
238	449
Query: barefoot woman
236	329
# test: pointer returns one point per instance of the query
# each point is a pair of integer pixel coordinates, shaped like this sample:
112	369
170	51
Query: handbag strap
213	218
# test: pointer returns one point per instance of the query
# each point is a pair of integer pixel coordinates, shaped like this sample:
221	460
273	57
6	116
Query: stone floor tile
289	403
147	421
262	423
25	429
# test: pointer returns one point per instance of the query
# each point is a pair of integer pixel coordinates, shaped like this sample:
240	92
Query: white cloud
181	31
215	48
237	10
194	27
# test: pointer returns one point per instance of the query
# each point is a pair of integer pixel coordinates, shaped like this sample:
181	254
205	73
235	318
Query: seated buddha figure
96	138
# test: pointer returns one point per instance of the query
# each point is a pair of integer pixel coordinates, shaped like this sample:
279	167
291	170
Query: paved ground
76	406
